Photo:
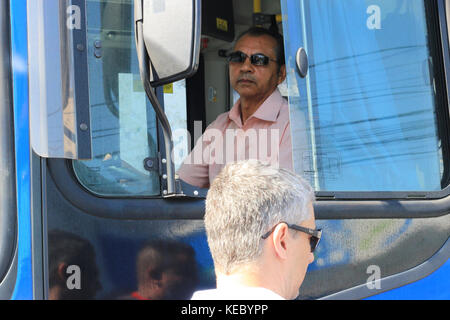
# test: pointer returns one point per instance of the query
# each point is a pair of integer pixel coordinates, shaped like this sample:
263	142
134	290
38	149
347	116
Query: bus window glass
369	99
124	128
175	110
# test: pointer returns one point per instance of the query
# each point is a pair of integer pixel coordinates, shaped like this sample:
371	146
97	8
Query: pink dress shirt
265	136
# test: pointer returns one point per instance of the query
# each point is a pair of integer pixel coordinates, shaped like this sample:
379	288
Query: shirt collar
268	111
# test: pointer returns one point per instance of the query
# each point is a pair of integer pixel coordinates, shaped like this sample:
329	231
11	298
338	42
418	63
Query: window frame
330	205
192	207
82	94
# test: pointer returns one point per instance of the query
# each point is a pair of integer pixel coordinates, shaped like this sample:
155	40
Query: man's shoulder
276	100
221	121
238	293
284	113
212	294
223	117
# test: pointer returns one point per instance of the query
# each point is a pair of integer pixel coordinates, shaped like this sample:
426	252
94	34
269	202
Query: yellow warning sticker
222	24
168	88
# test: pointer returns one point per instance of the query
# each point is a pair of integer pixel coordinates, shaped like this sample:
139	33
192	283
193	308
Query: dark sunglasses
257	59
314	238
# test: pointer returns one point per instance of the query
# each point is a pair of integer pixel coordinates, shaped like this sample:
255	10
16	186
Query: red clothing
137	296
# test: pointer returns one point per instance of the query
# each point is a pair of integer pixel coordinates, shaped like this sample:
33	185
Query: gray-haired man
261	232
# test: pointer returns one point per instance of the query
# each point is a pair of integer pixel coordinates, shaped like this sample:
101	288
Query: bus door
366	79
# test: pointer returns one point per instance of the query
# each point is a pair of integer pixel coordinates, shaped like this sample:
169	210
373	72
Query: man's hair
246	200
164	255
71	249
259	32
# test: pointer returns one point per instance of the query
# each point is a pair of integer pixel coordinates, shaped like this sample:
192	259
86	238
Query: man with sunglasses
261	232
257	127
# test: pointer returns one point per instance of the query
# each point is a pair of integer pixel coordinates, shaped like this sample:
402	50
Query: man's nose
247	65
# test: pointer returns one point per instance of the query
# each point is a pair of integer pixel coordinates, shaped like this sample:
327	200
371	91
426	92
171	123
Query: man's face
301	255
256	82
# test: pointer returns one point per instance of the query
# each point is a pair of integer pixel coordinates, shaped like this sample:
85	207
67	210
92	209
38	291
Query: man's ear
279	240
62	275
282	74
154	277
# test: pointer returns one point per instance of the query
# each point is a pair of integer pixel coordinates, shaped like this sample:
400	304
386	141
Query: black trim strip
193	208
81	76
439	51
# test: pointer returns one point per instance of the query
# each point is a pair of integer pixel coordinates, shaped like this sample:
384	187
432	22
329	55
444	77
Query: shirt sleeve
194	169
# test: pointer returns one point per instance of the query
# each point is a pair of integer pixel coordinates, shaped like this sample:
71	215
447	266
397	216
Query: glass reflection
369	97
73	271
124	129
165	270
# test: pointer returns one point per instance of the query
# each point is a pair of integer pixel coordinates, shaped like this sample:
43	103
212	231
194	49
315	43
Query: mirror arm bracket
144	70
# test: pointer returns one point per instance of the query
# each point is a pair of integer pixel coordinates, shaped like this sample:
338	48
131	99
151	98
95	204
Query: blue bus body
52	195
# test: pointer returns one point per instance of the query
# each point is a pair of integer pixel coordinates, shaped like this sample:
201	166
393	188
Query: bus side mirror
168	38
168	49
